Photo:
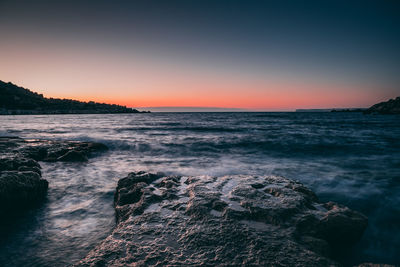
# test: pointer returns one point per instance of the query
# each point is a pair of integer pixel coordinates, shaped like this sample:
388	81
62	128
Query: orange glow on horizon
261	97
141	80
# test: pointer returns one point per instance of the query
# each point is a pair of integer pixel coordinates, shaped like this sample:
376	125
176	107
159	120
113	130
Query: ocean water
350	158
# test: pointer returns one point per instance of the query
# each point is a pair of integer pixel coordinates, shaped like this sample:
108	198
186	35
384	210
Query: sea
349	158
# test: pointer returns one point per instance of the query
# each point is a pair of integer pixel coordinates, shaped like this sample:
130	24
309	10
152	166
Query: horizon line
222	109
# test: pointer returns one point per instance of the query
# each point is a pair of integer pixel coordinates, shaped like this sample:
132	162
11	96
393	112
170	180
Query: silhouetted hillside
389	107
18	100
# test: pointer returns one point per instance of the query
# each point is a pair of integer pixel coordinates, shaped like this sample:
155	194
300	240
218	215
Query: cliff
18	100
389	107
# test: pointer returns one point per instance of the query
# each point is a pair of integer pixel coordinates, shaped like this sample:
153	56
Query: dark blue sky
328	42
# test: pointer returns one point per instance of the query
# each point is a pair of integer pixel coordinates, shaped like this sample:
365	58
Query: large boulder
20	190
21	185
230	220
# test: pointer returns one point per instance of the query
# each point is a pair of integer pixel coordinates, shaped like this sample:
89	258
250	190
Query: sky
253	55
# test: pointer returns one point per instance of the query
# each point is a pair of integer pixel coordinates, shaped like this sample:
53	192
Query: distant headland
392	106
15	100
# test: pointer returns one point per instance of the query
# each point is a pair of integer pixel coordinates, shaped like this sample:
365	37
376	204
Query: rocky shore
21	182
230	220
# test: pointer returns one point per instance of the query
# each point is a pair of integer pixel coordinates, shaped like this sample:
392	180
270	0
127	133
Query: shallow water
346	157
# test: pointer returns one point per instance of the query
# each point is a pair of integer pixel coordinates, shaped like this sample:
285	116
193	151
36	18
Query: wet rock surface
21	183
20	189
230	220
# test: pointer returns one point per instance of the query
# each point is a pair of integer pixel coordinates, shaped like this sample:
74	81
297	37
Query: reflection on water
350	158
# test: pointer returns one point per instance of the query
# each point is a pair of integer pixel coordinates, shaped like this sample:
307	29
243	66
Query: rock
339	226
14	163
20	190
73	155
230	220
50	151
21	185
30	168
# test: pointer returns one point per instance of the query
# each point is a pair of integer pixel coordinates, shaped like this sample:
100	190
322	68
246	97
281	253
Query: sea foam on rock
230	220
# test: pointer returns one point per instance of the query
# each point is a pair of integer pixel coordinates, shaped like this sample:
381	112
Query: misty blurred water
349	158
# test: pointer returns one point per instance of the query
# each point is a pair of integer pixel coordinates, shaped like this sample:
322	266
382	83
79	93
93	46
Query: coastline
16	113
16	100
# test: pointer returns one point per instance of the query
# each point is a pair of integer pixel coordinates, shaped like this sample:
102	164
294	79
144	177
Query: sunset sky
258	55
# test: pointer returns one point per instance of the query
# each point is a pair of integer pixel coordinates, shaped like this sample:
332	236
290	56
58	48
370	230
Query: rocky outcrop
230	220
19	190
50	151
389	107
21	182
